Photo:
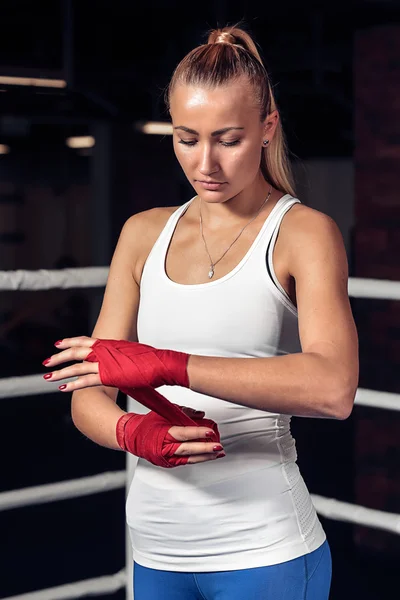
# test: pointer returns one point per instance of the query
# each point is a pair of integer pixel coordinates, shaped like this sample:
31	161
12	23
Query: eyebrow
214	133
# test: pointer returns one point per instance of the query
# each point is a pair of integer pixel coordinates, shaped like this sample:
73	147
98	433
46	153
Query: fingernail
209	433
62	387
59	342
220	455
199	412
47	376
45	362
217	448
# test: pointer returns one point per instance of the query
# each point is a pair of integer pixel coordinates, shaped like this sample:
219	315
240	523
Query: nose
208	163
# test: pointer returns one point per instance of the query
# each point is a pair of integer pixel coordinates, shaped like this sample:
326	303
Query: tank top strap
164	238
287	203
273	221
170	225
156	256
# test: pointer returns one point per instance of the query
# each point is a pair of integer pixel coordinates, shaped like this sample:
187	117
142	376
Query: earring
266	142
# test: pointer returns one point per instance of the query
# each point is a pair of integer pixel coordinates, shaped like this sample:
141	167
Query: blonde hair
230	53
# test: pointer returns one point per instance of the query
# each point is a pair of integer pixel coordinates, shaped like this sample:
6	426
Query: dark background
117	58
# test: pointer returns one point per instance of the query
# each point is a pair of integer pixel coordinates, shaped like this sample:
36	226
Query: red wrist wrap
147	435
131	364
129	367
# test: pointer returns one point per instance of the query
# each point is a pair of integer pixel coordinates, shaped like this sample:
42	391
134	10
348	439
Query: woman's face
217	138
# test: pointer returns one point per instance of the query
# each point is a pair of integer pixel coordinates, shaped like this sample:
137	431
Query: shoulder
309	235
305	222
140	232
147	220
303	219
144	227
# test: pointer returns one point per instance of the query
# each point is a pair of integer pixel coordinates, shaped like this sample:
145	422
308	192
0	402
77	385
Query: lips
211	185
205	181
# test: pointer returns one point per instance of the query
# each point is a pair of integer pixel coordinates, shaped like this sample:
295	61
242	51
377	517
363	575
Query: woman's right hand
196	450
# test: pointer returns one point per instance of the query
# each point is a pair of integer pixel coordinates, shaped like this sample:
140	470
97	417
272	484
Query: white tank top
251	508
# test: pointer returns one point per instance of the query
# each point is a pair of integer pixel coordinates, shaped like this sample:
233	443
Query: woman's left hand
76	348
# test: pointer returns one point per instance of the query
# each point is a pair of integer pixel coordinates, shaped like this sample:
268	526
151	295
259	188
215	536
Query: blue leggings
305	578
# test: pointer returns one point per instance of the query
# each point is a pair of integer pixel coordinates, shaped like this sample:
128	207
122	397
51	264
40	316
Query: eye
234	143
193	142
188	143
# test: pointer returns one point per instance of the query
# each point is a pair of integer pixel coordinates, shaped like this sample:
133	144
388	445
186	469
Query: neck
235	210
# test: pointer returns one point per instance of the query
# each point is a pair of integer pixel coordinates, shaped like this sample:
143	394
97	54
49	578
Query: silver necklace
212	264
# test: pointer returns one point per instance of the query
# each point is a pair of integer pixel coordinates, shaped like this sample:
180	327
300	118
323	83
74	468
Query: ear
269	125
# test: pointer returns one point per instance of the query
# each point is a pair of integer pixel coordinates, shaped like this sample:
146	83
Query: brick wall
376	254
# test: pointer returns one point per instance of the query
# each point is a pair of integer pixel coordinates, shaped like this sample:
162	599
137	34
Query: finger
74	371
191	412
76	353
193	448
184	434
82	340
204	457
82	382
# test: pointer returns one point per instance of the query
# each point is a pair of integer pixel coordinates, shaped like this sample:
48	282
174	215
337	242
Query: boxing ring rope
89	587
89	277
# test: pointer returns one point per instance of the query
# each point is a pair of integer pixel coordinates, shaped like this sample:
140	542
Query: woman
242	270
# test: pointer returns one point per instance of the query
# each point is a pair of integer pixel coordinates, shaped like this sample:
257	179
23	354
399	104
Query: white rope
89	587
352	513
32	385
84	277
29	385
374	288
74	488
375	399
327	507
45	279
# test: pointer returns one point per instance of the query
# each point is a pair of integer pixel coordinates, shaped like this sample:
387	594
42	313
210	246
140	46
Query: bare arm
321	381
94	410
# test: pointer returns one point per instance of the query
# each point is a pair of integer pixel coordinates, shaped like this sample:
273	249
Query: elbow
341	402
343	409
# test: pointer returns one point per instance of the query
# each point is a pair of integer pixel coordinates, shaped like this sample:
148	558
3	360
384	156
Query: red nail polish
217	448
47	376
45	362
62	387
209	433
220	456
59	342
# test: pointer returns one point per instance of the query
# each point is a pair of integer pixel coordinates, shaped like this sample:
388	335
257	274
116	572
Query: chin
212	197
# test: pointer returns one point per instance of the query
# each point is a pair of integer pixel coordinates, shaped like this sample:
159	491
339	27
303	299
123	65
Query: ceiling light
33	81
154	127
80	141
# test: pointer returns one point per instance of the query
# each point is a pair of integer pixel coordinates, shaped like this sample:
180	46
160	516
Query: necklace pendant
211	272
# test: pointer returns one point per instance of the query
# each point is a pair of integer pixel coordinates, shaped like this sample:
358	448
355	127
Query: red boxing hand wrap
147	436
121	365
131	364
